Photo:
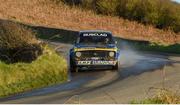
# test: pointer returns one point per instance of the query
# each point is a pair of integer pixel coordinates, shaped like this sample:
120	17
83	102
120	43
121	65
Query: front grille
94	54
103	55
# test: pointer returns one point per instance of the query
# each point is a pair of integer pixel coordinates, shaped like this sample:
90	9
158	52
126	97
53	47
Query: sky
176	1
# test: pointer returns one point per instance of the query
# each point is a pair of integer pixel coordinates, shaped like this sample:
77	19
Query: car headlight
111	54
78	54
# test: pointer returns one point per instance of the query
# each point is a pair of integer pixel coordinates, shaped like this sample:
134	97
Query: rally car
94	49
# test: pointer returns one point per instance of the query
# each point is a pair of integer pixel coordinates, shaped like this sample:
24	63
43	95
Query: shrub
69	2
18	43
162	14
107	7
89	4
13	35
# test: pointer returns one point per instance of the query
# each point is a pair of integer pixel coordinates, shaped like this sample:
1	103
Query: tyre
73	68
116	67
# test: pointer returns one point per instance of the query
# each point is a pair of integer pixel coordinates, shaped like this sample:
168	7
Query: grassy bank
175	48
148	46
48	69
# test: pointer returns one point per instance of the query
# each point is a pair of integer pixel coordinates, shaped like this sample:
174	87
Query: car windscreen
95	38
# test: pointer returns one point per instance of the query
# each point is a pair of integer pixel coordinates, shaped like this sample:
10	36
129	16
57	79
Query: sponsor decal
99	49
95	34
103	62
96	62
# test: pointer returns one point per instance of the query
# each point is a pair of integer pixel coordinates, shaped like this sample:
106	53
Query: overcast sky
177	1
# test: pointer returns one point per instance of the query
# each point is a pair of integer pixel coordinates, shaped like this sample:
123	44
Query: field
61	16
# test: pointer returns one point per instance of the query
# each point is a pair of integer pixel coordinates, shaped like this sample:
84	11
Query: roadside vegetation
158	47
163	14
18	43
25	63
164	96
150	46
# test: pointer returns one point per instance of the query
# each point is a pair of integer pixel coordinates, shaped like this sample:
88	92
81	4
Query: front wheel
116	67
73	68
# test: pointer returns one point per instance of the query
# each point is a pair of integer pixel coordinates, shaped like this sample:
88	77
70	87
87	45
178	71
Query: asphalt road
139	73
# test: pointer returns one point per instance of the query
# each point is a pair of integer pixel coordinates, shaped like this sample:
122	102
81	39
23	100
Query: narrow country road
138	75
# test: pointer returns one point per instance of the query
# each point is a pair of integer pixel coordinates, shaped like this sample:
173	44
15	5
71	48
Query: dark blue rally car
94	49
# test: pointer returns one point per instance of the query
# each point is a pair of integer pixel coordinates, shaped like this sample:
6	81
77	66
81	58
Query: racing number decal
84	62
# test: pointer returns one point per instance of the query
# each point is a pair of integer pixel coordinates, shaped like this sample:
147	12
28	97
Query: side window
77	40
111	38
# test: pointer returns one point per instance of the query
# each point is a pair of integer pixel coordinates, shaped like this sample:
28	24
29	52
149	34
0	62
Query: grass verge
163	97
149	46
175	48
48	69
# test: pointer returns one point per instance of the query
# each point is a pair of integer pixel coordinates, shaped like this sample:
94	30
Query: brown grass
18	43
162	96
13	35
169	97
46	13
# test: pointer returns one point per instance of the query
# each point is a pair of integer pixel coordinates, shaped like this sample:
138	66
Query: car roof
95	31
